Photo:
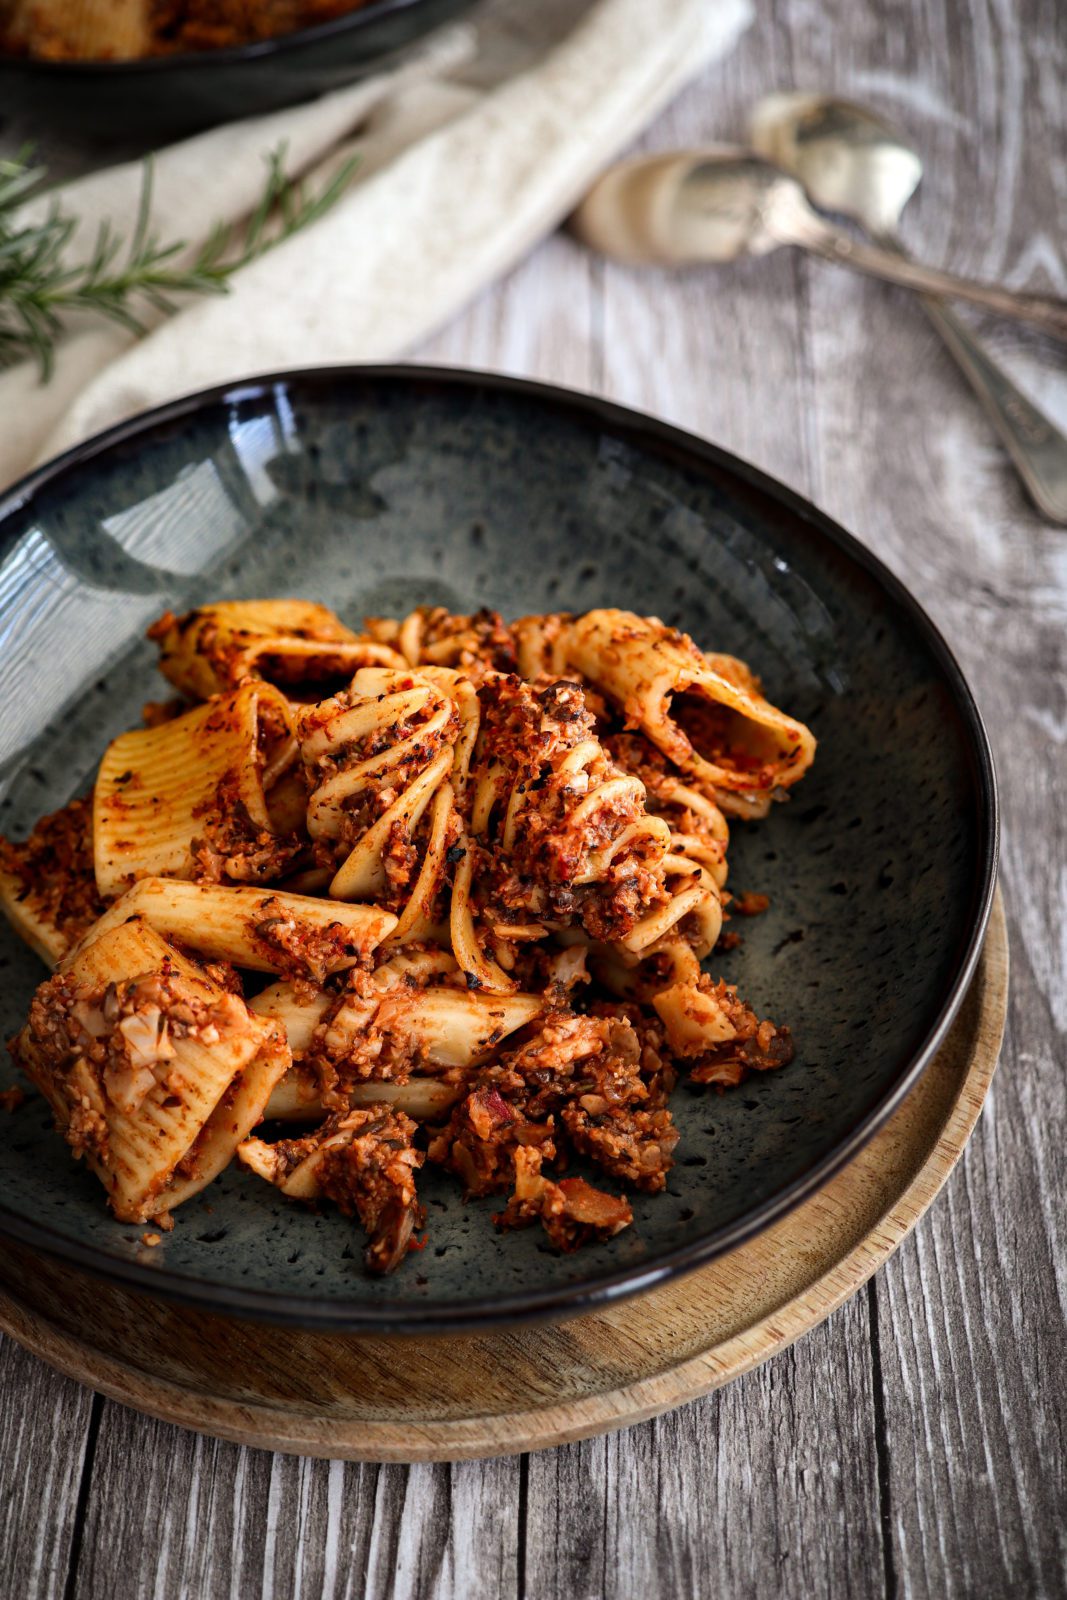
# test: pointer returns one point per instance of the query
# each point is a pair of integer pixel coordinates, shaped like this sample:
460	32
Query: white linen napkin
471	151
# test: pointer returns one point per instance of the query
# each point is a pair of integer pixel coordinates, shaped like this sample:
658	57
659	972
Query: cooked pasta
433	636
704	712
48	886
293	643
379	758
191	798
365	1160
110	30
412	1021
442	890
256	929
105	30
155	1070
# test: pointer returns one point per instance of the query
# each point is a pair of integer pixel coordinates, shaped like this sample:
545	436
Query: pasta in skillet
437	891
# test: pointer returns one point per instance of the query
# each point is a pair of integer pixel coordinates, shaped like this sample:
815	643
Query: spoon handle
1036	446
1034	443
831	243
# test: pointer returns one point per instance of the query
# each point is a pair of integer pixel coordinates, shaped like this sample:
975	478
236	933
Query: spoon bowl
847	159
711	205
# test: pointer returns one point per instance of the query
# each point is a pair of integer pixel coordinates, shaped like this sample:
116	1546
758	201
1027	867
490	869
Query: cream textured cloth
471	151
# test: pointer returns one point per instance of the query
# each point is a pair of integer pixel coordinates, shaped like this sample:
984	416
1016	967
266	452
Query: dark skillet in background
378	489
165	96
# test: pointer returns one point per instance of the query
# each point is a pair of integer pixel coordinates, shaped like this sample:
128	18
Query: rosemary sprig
120	280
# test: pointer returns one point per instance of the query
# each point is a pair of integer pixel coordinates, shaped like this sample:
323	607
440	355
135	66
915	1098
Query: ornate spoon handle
1035	444
812	232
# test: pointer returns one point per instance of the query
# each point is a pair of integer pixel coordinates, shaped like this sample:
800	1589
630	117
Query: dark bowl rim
556	1304
228	55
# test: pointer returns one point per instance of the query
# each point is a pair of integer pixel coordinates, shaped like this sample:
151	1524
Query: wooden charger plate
450	1398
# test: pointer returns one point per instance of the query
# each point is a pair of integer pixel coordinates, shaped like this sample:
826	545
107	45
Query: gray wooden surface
914	1445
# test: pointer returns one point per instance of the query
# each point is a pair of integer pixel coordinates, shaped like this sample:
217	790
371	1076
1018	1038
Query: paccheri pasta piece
296	644
263	931
155	1072
191	797
707	1027
411	1017
556	834
705	712
298	1097
568	821
716	1033
433	636
379	759
541	645
697	826
61	30
364	1161
48	889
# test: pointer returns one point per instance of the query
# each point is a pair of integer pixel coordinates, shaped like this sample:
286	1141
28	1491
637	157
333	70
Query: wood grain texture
932	1407
765	1487
970	1316
44	1433
243	1522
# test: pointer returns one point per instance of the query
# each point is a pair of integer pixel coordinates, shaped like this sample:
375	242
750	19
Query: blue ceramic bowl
376	490
165	96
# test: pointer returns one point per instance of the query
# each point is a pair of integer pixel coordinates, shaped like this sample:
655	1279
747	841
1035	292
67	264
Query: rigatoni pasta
439	890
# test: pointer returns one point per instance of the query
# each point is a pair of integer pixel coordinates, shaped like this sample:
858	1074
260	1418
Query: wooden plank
970	1314
974	1382
44	1432
178	1514
536	323
768	1486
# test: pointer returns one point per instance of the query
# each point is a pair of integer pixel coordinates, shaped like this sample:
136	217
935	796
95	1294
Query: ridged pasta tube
257	929
705	712
295	644
190	798
154	1071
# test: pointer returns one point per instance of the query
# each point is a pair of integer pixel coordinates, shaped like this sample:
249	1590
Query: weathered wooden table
914	1444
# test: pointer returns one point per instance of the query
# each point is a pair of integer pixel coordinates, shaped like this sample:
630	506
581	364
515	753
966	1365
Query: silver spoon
851	162
721	203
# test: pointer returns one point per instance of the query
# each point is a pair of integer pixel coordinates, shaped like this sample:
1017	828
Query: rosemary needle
122	279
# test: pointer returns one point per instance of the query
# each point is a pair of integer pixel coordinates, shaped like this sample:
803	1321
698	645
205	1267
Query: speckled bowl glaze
376	490
163	96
